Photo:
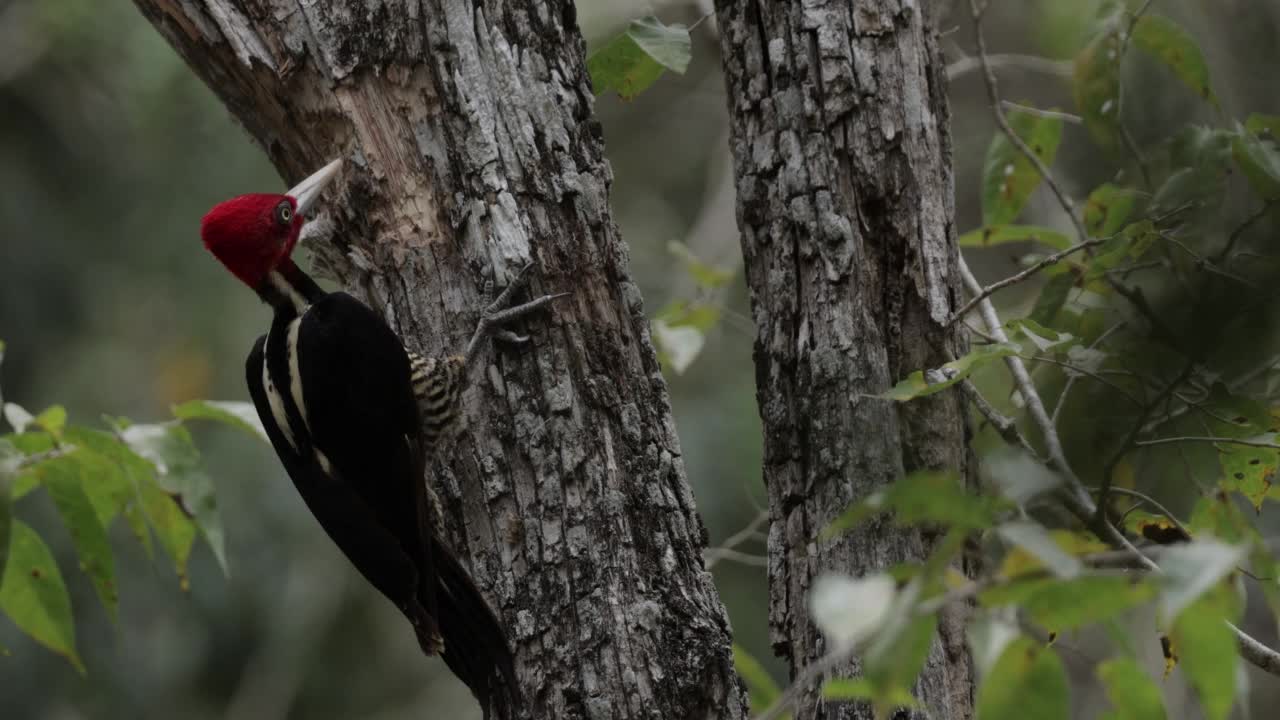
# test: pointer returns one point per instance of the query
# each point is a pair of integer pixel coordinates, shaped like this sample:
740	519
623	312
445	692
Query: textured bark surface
471	149
845	202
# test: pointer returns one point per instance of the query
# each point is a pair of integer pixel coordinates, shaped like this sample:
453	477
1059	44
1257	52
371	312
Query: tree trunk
471	151
845	202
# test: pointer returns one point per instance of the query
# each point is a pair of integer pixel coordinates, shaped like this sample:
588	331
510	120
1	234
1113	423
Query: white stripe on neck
285	288
274	400
295	374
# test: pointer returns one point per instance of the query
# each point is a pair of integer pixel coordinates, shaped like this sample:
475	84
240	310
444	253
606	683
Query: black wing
345	515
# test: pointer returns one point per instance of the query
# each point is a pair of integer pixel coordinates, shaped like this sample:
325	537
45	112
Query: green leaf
168	446
922	497
698	315
1191	569
1107	209
175	531
52	419
1053	296
1259	160
1095	86
105	469
65	478
1166	41
1266	127
1008	176
762	689
921	383
1207	649
1129	244
1028	681
899	649
10	458
708	277
1035	540
1216	514
1061	605
241	415
1035	338
631	62
1132	692
999	234
884	699
33	595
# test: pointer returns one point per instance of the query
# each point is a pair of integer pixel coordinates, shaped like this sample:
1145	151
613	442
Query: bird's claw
498	313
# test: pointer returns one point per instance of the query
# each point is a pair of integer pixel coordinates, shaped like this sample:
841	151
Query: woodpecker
355	417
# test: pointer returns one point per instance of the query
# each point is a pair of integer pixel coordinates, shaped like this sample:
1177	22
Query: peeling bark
845	203
471	151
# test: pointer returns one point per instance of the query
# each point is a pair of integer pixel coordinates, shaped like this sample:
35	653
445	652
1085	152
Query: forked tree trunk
845	202
471	151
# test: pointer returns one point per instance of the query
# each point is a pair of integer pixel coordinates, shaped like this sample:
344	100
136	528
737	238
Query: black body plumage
344	408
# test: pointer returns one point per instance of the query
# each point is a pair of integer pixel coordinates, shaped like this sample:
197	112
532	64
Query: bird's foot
500	312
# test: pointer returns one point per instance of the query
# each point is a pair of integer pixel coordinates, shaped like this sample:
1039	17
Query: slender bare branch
1023	275
1215	440
1005	426
1038	112
1030	63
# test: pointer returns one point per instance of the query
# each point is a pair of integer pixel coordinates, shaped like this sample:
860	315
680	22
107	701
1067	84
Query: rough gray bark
472	150
845	204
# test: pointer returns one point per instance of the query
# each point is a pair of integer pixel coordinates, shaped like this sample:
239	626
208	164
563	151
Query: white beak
307	192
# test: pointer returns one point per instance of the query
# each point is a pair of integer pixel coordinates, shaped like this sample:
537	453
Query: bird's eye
284	213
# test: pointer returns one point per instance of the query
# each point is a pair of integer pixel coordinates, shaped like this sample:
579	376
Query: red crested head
253	234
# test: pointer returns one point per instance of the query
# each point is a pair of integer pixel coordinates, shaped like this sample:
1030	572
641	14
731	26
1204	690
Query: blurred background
111	151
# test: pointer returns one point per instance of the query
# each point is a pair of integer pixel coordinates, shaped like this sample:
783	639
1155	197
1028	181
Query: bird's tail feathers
475	644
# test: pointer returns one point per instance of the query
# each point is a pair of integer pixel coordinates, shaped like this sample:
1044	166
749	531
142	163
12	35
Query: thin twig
1129	142
1225	253
1155	504
1005	426
1032	63
1049	114
714	555
1129	440
1086	373
1206	263
1071	380
1023	275
726	551
811	672
1216	440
